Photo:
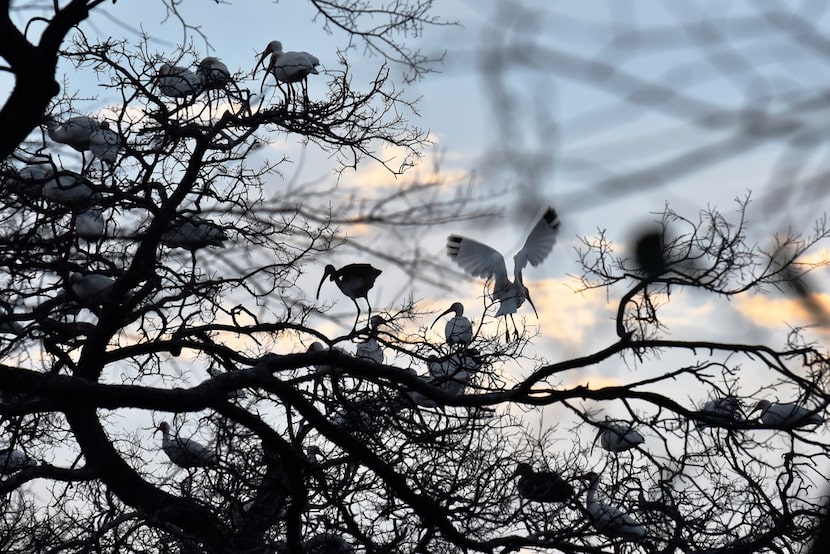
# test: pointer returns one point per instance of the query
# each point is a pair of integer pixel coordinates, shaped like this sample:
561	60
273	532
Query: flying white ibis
353	280
480	260
92	288
542	486
177	82
89	224
610	520
105	143
721	409
369	349
788	414
13	460
213	74
193	235
289	67
617	437
185	452
70	189
458	329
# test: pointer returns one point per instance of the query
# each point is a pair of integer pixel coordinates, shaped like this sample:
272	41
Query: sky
509	108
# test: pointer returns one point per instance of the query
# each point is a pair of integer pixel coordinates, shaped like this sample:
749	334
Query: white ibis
70	189
616	437
89	224
722	409
318	346
353	280
212	73
458	329
75	131
542	486
289	67
29	180
480	260
788	414
452	374
327	543
193	235
92	288
324	543
610	520
183	452
177	82
105	143
13	460
369	349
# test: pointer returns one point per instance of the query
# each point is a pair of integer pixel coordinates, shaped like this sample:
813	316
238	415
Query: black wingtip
453	243
552	218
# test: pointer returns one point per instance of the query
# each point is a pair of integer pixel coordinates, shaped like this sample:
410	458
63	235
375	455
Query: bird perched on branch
458	330
723	409
542	486
177	82
353	280
788	414
617	437
212	73
610	520
184	452
480	260
289	67
369	349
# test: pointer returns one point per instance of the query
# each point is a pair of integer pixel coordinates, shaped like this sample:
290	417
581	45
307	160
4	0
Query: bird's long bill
529	301
320	286
439	317
262	59
599	432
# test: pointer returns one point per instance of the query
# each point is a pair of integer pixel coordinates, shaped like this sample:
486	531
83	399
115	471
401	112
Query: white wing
477	259
539	242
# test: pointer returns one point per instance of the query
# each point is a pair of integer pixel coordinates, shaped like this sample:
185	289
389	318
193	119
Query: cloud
767	311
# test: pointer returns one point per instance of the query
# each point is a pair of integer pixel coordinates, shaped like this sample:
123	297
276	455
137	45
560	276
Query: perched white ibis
29	180
353	280
452	374
92	288
193	235
318	346
324	543
105	143
542	486
75	131
185	452
89	224
70	189
13	460
788	414
177	82
458	329
213	74
610	520
617	437
289	67
721	409
482	261
369	349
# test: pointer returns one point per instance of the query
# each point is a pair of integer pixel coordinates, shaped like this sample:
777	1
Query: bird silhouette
542	486
289	67
482	261
458	330
353	280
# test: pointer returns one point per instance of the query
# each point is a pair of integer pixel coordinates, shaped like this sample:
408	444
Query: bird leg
357	317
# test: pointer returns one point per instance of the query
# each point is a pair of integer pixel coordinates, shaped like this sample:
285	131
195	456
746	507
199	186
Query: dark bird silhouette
353	280
479	260
542	486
